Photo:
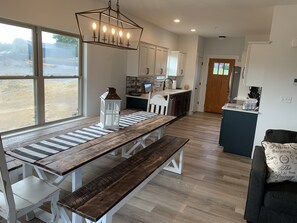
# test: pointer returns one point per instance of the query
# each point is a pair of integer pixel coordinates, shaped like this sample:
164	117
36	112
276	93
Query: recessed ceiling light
193	30
176	20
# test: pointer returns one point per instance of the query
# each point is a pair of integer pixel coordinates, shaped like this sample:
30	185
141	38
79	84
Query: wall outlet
286	99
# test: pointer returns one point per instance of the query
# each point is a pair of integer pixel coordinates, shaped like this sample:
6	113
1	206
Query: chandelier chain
118	6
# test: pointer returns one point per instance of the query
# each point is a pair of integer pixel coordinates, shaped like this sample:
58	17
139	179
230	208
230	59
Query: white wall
189	45
280	71
102	70
103	67
229	48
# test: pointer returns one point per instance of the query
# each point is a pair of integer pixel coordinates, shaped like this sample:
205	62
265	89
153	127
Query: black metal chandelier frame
103	32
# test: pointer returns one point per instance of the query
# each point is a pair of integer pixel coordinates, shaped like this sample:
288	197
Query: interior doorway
217	88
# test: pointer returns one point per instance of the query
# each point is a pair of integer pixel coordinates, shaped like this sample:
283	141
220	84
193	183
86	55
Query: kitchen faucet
164	83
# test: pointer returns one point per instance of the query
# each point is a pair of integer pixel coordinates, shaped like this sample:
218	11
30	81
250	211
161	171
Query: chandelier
108	27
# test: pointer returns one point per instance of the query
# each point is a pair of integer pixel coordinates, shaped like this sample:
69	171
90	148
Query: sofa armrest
257	184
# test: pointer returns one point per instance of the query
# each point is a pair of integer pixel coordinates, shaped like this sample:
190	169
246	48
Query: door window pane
17	104
226	69
60	55
215	68
16	51
221	68
61	98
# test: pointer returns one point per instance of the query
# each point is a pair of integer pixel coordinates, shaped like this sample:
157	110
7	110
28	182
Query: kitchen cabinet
161	61
148	60
176	63
137	103
141	62
255	65
238	132
179	103
147	54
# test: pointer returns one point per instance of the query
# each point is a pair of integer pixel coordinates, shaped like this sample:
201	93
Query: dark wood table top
66	161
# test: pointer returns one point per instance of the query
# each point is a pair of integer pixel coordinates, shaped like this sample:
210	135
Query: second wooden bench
98	200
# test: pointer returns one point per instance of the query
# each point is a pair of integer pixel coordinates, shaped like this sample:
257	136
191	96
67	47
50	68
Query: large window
40	76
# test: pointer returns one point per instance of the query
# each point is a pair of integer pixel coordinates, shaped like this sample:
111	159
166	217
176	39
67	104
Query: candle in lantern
94	30
128	39
121	34
112	33
104	33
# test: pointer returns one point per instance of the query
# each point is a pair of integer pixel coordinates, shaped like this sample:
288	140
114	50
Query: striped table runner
48	147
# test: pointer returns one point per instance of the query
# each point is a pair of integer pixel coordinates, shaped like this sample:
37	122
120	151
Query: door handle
147	70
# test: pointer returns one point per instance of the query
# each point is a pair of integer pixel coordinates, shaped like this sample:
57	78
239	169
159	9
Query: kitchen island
238	129
179	101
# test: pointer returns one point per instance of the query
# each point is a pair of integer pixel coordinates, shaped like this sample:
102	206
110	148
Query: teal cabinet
238	132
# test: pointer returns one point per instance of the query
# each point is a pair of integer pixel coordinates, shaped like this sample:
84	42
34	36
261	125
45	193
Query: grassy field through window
18	106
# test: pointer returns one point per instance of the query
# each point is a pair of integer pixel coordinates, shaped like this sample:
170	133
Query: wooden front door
217	88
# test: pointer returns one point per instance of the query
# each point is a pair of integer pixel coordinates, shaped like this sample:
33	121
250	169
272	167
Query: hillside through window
40	78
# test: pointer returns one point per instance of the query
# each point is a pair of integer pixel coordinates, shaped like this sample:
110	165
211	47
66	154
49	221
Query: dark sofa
274	202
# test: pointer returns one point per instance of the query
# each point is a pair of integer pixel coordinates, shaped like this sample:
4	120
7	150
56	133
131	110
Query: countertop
164	93
238	107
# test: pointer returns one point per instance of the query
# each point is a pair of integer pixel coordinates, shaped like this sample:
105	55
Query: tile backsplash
136	83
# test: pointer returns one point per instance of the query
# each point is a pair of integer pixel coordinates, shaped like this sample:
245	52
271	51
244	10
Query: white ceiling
211	18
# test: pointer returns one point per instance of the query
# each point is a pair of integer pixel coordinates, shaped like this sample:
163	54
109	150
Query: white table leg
27	170
76	183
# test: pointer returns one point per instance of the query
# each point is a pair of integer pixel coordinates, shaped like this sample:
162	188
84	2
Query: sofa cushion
269	216
281	160
282	197
280	136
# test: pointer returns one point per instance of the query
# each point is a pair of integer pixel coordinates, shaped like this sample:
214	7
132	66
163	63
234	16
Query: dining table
64	150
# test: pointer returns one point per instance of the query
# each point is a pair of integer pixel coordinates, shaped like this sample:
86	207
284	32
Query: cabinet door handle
181	71
161	70
147	70
243	69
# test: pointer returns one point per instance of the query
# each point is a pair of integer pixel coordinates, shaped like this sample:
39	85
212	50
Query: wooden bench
98	200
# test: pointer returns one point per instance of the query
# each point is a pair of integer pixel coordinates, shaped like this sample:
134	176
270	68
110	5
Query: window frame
39	79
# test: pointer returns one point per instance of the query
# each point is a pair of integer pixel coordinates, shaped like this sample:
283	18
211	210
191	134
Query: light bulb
121	33
112	31
94	26
128	35
104	29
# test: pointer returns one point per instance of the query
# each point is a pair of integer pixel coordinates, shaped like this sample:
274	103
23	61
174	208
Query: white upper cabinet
147	54
176	63
161	61
255	65
148	60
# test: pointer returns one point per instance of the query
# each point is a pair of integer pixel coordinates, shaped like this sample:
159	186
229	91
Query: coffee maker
255	92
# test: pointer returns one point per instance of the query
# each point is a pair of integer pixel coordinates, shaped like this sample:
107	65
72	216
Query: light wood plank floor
212	188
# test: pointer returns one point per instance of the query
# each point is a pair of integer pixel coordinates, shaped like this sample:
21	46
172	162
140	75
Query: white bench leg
106	219
64	215
55	209
76	183
175	167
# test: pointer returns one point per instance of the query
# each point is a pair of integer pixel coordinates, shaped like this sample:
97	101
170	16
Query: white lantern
110	109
